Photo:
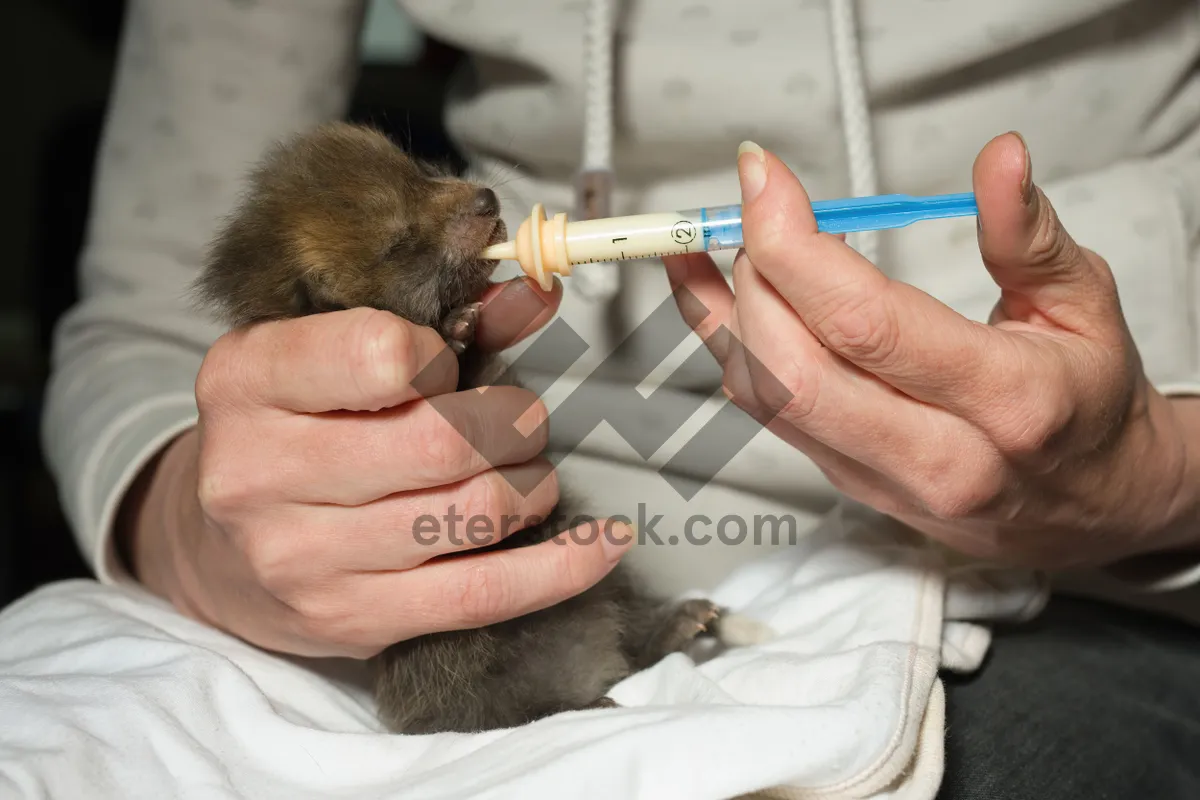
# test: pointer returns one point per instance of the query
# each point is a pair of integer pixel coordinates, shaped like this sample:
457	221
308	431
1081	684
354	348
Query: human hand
289	516
1034	439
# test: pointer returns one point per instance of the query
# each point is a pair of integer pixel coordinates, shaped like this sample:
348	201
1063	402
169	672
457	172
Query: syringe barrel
654	235
721	226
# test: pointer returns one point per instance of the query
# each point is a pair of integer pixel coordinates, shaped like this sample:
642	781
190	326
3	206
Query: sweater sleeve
201	88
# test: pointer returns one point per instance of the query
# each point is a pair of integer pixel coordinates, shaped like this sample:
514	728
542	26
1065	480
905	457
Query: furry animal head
341	217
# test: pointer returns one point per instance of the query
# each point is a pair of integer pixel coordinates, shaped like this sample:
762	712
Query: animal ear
311	296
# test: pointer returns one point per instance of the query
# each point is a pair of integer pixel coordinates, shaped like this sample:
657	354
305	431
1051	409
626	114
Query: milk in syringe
545	247
652	235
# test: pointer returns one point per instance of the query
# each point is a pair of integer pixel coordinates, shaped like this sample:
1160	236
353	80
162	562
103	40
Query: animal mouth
484	267
499	233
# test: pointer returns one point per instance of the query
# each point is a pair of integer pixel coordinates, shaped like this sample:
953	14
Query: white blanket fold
105	693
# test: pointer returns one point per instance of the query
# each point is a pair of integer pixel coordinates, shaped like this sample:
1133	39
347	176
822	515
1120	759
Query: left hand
1034	439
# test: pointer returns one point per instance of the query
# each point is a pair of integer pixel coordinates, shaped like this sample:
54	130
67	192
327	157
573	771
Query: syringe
544	246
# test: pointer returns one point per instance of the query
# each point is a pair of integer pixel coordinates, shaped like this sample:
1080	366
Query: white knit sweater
1103	90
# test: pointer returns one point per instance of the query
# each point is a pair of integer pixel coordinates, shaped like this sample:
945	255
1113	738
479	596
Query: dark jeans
1090	701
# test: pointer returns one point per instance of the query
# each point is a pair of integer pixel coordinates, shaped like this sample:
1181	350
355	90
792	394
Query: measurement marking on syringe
655	254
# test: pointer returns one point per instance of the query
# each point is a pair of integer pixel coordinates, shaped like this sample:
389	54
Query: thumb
1032	258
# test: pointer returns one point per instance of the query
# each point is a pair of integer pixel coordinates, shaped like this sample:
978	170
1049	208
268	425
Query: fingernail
520	289
517	293
616	540
1027	179
752	172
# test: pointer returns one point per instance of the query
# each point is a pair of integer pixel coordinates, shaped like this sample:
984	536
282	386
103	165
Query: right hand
289	515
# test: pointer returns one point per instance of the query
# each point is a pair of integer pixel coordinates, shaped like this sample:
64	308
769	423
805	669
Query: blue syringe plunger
889	211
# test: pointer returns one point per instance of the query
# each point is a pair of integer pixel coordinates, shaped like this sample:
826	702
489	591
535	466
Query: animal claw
458	329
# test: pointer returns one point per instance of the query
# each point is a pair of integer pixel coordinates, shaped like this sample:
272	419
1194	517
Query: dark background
60	54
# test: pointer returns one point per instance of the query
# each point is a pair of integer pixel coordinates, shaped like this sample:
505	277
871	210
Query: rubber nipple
540	247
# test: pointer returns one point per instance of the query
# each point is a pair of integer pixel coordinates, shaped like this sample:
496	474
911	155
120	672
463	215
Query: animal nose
485	204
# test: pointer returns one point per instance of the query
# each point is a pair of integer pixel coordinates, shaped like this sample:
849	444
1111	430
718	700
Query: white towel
107	693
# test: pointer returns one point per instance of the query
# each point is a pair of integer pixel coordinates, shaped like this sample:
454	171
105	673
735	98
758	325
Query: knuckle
534	422
862	489
270	555
882	501
523	495
231	372
1029	430
313	611
441	447
486	497
228	483
383	356
550	493
326	611
333	622
948	506
1032	438
213	378
746	402
965	498
322	614
482	594
222	495
791	393
214	495
575	571
862	329
737	388
1029	402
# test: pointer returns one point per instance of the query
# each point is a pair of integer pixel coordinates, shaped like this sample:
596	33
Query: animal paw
458	329
603	702
690	619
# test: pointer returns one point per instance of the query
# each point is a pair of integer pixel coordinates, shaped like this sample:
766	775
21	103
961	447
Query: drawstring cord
856	117
595	184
